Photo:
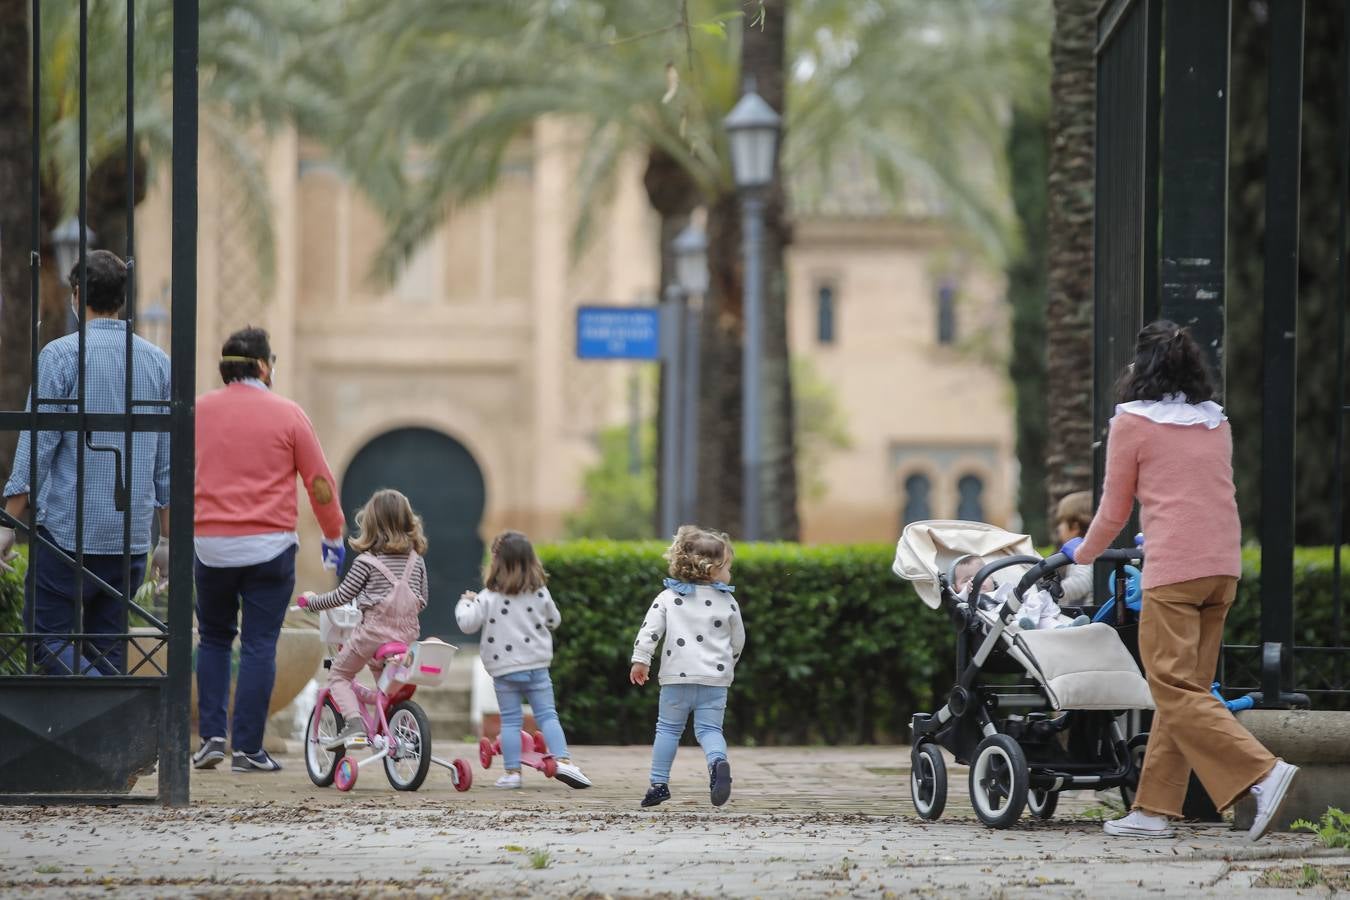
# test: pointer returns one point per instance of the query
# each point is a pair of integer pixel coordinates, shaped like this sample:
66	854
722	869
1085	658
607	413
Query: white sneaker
1140	825
509	782
1270	795
570	775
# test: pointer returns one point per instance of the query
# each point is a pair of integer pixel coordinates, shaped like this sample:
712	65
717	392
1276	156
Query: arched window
825	313
970	498
918	507
946	313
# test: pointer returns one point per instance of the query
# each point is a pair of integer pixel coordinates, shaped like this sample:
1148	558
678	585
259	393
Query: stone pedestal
1318	742
299	653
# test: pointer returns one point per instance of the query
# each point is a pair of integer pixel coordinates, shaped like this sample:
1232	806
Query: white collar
255	383
1175	409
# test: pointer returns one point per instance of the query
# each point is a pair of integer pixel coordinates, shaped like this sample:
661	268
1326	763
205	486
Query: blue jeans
536	687
708	704
53	610
265	591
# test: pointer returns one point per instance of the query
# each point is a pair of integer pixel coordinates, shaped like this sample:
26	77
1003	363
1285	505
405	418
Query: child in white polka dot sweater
517	616
698	615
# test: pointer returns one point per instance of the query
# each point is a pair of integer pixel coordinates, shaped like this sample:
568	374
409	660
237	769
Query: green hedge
838	649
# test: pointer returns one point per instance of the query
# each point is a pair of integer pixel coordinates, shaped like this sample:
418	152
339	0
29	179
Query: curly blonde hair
387	524
514	568
696	553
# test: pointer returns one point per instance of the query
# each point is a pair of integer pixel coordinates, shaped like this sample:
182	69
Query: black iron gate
82	732
1161	229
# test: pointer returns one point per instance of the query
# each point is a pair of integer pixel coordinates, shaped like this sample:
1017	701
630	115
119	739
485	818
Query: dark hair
247	348
1167	360
514	568
107	281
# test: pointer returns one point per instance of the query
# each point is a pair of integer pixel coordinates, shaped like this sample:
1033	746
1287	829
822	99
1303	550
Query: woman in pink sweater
1171	447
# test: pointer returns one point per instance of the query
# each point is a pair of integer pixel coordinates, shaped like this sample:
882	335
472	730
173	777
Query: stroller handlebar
1057	561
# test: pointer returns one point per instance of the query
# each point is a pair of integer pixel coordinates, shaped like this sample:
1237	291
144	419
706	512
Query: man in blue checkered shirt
53	601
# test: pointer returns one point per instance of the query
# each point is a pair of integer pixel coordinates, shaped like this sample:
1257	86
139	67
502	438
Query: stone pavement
802	822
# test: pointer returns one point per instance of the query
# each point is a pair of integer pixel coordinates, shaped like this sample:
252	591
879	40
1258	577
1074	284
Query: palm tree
1069	304
244	54
918	89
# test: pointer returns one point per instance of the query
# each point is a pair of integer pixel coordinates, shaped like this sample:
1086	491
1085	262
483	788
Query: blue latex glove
1070	548
334	554
1139	539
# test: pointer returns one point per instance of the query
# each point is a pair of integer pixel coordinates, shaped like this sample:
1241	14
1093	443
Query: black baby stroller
1024	741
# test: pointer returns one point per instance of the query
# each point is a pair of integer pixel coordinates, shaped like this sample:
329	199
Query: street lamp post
672	315
691	272
752	130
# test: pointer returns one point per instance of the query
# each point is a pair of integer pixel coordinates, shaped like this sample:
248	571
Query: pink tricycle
397	729
533	752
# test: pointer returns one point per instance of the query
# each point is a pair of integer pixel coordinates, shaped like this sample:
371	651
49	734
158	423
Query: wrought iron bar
128	435
34	319
174	737
1279	334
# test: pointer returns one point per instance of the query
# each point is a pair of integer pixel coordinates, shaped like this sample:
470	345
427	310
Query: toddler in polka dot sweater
517	616
698	615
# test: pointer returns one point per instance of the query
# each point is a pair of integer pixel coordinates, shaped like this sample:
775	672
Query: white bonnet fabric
929	548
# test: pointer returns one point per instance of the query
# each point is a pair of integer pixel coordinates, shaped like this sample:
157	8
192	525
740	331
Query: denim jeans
53	610
536	687
708	704
264	591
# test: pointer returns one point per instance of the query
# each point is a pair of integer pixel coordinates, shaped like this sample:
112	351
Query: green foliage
838	649
1333	830
11	609
820	424
620	495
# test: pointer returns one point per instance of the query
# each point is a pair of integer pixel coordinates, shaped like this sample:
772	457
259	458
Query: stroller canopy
928	548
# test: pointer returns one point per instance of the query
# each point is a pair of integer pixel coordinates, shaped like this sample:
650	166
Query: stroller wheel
928	781
998	781
1042	803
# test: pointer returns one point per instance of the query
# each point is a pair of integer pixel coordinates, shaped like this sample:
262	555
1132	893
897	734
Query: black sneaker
210	754
719	782
254	762
656	795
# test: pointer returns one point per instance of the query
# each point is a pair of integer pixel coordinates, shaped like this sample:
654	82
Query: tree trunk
674	195
1027	147
719	408
15	185
762	54
1069	304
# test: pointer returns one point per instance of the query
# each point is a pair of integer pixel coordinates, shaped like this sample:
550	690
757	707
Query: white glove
7	538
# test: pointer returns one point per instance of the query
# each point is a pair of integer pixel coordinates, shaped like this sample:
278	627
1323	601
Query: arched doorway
446	488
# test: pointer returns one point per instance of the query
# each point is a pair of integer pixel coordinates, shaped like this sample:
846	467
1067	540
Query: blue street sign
618	332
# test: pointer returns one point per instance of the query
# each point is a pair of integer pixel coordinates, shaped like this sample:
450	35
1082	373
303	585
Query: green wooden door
445	486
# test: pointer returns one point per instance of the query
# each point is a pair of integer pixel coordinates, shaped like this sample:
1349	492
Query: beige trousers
1180	633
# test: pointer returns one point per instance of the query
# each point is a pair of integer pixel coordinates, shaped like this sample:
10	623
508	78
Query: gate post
174	745
1195	172
1279	322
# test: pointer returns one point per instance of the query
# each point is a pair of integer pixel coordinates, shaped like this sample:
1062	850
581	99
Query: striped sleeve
346	592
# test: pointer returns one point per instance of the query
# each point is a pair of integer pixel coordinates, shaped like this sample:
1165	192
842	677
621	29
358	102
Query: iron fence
68	734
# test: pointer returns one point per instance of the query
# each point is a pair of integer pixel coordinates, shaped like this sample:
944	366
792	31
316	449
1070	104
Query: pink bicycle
398	731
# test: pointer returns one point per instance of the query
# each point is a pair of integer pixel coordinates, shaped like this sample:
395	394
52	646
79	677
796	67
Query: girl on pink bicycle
388	583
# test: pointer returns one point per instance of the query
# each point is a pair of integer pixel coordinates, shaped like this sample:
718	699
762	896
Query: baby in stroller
1039	609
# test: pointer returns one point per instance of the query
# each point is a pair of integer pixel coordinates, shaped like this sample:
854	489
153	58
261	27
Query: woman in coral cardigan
1171	447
